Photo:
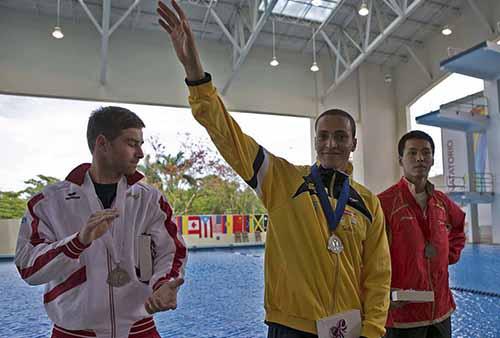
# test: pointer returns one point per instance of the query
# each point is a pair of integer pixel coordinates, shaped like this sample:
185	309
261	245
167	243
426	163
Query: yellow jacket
303	280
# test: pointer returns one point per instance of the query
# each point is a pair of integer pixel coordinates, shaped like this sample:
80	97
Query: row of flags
207	225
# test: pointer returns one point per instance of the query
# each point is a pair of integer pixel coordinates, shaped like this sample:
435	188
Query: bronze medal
430	250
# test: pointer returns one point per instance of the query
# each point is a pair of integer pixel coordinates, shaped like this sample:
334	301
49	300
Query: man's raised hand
181	35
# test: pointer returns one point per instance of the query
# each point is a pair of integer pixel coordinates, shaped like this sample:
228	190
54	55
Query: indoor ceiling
341	31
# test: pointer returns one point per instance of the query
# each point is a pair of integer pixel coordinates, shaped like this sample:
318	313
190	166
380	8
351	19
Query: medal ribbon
333	218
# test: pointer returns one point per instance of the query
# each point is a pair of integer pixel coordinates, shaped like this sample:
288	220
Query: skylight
304	9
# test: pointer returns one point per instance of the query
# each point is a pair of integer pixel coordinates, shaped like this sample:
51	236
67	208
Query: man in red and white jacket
81	238
426	234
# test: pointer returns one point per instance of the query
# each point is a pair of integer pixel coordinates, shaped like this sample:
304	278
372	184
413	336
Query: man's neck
102	176
419	182
342	169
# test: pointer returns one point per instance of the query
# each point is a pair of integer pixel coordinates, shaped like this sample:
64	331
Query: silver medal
118	277
335	244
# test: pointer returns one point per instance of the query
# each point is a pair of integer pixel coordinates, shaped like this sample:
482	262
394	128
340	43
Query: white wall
372	103
142	68
9	229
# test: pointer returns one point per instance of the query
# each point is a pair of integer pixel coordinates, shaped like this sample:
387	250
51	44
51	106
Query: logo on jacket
134	196
339	330
72	196
307	186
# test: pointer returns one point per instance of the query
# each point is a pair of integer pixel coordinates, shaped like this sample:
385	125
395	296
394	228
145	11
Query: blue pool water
223	297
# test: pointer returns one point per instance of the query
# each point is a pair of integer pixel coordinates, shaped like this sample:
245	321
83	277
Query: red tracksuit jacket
409	229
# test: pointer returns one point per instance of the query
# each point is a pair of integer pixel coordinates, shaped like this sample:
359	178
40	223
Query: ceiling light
314	66
274	62
316	3
363	9
57	33
446	30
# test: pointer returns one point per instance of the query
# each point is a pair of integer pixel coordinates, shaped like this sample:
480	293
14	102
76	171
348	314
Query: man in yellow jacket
320	263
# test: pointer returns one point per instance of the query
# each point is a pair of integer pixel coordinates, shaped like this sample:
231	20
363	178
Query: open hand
182	38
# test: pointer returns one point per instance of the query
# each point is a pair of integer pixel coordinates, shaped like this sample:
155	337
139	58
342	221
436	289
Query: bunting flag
194	225
258	223
219	223
238	223
206	225
246	223
185	222
206	222
229	224
178	222
265	221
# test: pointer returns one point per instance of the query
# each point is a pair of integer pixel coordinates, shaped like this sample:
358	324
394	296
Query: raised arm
259	168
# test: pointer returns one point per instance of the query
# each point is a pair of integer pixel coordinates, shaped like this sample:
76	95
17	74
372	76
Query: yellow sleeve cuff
203	90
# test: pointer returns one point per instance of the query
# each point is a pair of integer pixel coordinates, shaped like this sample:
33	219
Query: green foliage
11	205
197	181
36	185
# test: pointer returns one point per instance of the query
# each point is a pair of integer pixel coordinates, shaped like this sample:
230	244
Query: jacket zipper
110	288
111	301
429	266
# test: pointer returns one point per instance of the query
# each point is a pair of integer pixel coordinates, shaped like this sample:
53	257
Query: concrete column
473	211
492	91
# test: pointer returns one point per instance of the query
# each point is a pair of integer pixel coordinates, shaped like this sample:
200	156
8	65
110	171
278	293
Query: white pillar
492	91
473	211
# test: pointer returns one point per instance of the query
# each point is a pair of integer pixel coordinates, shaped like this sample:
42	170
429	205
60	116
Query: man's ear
400	161
354	144
101	143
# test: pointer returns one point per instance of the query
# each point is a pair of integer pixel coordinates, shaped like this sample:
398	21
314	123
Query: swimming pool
223	297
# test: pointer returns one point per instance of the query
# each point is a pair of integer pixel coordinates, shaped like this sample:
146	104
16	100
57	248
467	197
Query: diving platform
465	114
481	61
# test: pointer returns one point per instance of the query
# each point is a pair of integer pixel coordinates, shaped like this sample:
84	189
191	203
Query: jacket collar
77	175
349	169
406	184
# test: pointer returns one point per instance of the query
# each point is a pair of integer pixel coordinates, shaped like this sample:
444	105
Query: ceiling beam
419	62
480	15
249	44
374	45
105	30
106	16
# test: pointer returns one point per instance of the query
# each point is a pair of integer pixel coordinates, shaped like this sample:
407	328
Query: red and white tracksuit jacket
77	296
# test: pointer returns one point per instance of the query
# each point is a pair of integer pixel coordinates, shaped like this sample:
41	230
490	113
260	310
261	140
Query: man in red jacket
426	234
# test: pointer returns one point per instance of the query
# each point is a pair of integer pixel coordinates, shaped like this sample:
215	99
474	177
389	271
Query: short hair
414	134
110	121
341	113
